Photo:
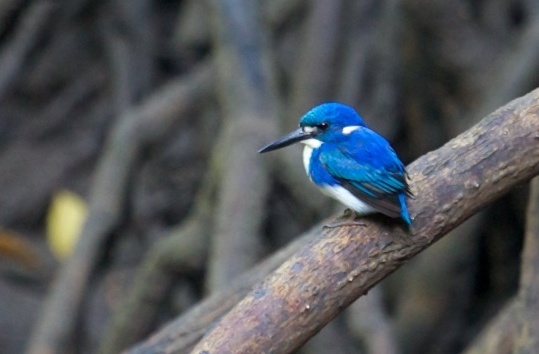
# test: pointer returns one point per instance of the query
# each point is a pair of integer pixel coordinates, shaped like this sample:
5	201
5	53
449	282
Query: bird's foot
349	223
348	218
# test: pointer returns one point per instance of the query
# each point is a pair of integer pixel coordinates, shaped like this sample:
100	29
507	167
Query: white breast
336	192
348	199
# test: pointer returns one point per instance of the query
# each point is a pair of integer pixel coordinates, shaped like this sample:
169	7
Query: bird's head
328	122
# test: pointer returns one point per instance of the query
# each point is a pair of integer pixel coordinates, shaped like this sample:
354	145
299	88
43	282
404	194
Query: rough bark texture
318	282
183	333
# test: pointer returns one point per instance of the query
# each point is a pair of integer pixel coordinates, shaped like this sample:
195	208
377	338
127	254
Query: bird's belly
335	191
342	195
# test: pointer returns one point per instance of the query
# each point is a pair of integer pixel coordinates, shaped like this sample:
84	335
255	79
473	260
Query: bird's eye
322	126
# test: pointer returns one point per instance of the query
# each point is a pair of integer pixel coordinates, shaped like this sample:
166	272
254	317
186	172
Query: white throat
313	143
310	144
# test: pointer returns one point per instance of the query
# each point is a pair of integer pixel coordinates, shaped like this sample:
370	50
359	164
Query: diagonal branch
322	279
184	332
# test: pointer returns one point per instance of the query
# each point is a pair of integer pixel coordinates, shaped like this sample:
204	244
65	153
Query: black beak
289	139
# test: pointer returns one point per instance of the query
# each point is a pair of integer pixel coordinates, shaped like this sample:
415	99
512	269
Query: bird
350	162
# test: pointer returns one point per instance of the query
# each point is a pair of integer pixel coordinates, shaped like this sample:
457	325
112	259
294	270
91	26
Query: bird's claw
350	223
348	219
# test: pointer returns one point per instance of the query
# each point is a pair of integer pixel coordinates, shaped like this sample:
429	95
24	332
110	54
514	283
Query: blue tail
404	210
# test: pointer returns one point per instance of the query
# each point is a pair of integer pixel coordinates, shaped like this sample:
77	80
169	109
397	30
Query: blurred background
124	124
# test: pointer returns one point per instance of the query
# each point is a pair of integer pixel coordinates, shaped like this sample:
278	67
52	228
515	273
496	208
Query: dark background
75	74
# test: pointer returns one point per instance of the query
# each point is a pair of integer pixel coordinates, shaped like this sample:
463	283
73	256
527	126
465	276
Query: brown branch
318	282
133	130
527	336
183	333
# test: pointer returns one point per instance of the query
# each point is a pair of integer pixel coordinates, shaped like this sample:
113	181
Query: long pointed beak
289	139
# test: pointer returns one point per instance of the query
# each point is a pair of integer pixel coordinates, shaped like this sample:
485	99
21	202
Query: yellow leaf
65	219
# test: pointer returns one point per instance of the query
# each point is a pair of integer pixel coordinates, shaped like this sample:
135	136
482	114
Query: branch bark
182	334
527	336
319	281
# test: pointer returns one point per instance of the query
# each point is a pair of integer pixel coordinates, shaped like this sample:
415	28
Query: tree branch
527	335
319	281
182	334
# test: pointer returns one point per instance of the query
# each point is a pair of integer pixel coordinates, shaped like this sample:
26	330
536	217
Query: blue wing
369	168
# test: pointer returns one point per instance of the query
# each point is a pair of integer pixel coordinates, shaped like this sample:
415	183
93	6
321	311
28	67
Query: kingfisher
350	162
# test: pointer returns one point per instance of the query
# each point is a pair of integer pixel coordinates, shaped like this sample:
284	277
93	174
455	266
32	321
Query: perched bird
350	162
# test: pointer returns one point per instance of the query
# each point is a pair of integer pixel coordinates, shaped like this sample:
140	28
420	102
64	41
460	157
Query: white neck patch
349	129
313	143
